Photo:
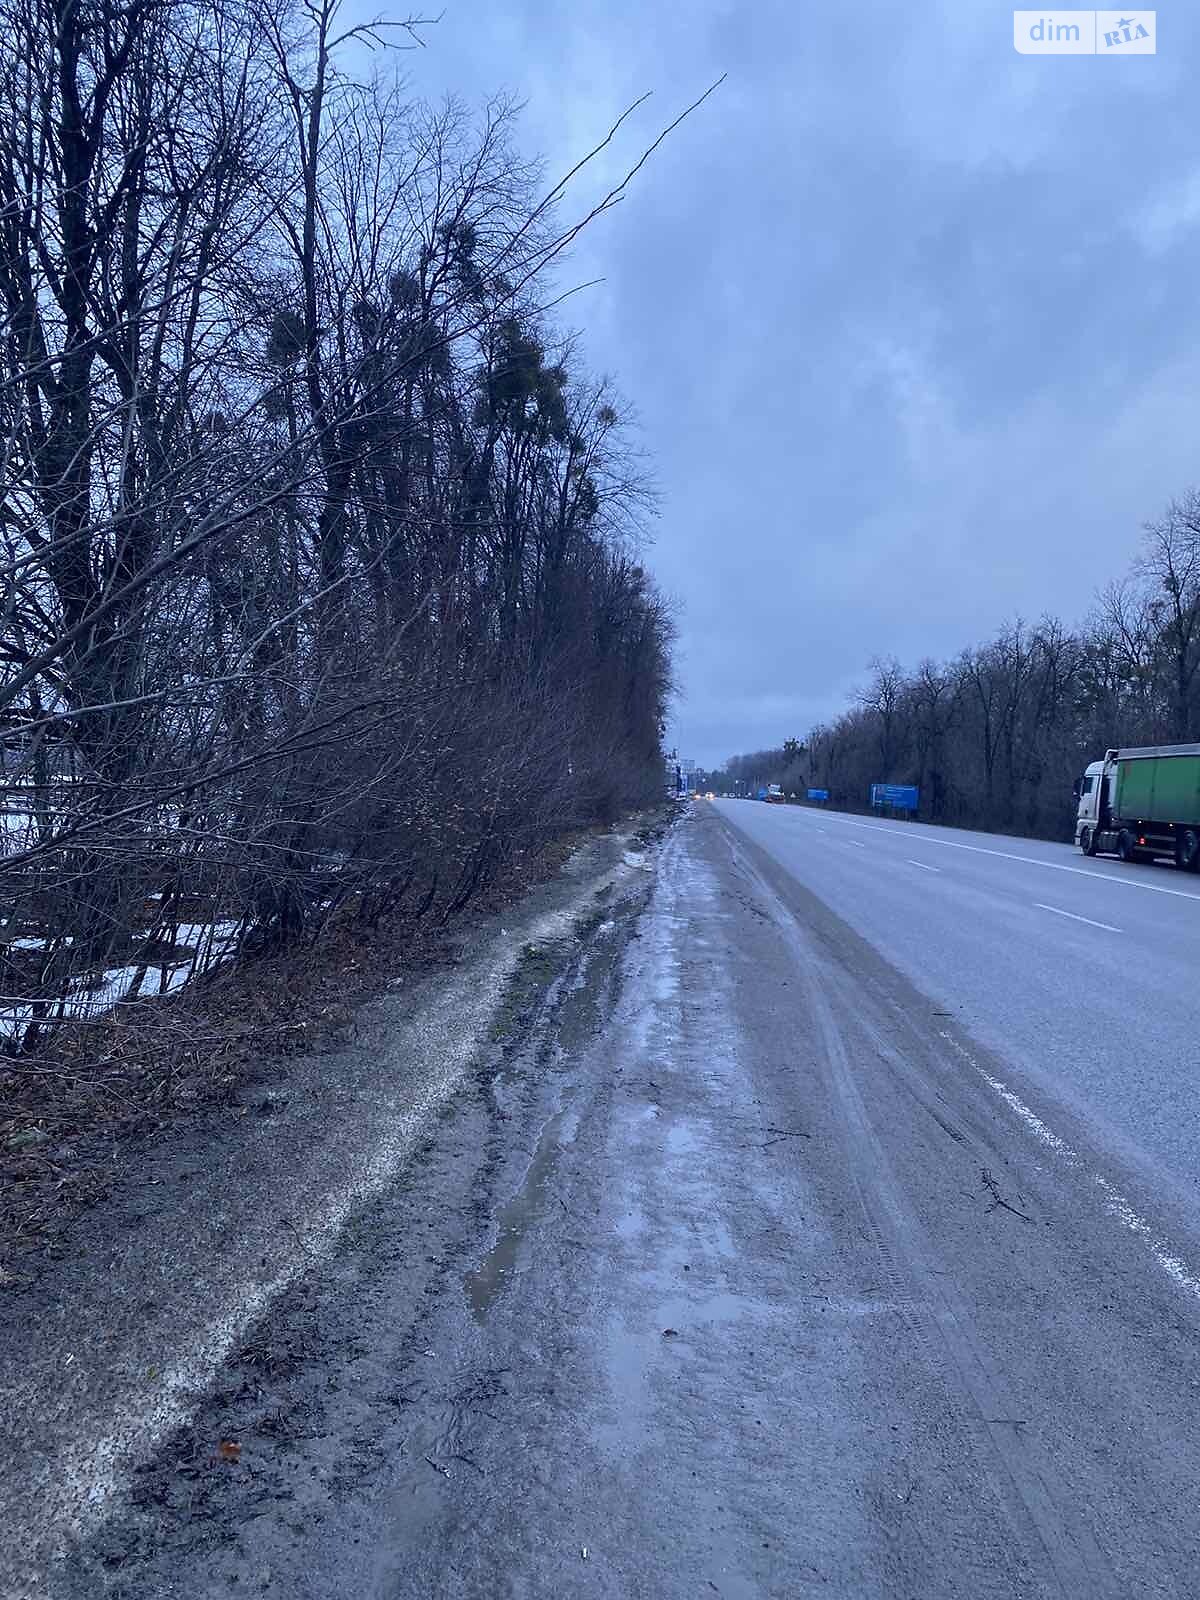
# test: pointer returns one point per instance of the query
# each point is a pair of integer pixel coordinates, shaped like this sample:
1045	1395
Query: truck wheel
1125	846
1087	841
1187	850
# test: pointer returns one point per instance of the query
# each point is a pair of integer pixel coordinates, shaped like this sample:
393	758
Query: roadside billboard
899	796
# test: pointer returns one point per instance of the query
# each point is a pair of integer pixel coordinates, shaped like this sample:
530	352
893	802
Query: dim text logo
1085	33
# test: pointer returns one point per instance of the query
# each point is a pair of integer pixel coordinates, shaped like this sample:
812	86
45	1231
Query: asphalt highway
1080	973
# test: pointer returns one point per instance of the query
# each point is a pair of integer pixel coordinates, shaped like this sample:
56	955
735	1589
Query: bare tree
882	697
1170	566
995	737
321	589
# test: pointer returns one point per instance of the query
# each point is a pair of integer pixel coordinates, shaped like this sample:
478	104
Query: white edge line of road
1115	1203
1011	855
1091	922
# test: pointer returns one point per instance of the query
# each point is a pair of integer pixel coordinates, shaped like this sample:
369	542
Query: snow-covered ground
199	947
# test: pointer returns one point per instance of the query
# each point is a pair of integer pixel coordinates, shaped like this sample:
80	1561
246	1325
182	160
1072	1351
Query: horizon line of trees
319	570
995	736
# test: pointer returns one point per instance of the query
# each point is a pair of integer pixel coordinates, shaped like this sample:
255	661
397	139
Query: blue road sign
818	794
900	796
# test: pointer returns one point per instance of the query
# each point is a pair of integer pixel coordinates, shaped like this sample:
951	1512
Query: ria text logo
1085	33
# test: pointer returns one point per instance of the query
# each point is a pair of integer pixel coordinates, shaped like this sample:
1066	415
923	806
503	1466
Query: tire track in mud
233	1246
366	1394
1061	1551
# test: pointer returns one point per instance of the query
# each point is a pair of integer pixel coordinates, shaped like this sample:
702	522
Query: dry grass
107	1083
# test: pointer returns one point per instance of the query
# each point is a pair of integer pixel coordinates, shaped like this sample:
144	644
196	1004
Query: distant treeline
996	736
318	545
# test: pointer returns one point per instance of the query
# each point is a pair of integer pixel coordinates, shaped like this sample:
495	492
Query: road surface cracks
726	1274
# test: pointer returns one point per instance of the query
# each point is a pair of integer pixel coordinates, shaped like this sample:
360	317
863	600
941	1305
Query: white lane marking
1115	1203
1117	1206
1011	855
1091	922
921	864
857	845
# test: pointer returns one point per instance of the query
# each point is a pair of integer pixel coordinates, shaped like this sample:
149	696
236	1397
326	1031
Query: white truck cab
1095	805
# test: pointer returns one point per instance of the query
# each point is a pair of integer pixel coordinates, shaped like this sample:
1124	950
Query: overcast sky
910	321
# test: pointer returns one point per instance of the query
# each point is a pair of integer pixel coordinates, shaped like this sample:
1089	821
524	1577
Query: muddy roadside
84	1113
169	1288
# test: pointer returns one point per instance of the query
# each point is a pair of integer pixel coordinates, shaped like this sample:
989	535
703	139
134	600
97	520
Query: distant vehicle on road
775	795
1141	804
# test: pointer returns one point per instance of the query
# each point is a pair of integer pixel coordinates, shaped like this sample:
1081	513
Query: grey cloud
907	318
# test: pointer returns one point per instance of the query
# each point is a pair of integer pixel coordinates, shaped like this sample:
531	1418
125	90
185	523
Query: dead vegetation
74	1114
322	612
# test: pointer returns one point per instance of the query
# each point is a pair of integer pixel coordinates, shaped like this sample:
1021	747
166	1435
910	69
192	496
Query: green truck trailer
1142	804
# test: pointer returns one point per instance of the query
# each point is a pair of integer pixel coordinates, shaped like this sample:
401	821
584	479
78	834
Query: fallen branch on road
784	1133
998	1200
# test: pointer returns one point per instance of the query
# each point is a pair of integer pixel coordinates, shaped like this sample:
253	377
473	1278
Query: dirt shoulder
211	1221
77	1121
